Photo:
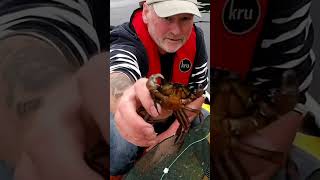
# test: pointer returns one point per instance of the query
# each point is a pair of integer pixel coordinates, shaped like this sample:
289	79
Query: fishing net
190	160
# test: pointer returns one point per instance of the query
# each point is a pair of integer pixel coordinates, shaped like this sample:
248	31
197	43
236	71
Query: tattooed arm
66	126
29	68
125	98
119	82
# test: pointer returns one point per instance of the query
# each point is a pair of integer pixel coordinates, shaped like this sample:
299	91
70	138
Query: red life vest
185	53
230	49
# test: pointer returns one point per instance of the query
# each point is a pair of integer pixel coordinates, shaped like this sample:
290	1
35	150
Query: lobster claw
152	85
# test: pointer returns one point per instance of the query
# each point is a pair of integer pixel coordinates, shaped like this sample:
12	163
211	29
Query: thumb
173	128
171	131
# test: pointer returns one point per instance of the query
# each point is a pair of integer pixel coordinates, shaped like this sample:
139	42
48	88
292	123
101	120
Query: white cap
165	8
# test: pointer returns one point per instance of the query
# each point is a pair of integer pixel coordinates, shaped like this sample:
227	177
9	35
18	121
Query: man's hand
131	126
196	104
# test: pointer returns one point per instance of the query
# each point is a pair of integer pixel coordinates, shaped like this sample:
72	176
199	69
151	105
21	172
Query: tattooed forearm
23	108
119	82
28	69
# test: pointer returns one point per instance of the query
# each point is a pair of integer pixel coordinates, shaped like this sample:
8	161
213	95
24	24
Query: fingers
197	103
131	126
152	146
164	113
166	134
194	105
134	135
144	96
169	132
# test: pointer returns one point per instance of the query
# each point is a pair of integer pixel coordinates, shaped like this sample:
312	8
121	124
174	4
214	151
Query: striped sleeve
67	25
123	59
200	76
286	44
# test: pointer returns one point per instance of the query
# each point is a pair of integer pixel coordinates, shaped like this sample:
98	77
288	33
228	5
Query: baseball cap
165	8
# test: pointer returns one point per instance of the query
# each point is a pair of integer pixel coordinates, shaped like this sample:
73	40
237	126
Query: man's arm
119	82
71	116
59	135
128	92
31	71
29	68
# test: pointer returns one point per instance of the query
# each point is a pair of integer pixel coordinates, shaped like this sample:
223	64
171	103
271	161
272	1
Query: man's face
169	33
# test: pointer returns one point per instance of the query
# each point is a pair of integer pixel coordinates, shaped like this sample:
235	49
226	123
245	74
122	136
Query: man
160	38
42	43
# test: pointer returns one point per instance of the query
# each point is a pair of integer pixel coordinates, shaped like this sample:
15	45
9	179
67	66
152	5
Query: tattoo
29	70
118	83
23	108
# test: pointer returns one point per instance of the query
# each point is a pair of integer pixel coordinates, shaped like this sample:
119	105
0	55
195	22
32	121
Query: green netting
190	160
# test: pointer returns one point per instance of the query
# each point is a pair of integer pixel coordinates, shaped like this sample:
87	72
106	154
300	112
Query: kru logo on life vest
241	16
185	65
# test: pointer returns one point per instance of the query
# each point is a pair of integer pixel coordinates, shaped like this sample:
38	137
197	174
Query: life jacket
184	57
236	26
